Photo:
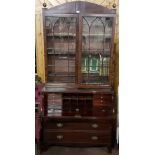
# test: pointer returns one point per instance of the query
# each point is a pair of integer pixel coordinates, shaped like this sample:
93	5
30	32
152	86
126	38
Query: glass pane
61	48
96	49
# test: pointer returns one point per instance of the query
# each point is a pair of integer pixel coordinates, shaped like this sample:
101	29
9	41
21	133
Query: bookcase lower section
78	117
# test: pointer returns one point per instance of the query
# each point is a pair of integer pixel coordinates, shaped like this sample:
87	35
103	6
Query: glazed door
60	33
96	47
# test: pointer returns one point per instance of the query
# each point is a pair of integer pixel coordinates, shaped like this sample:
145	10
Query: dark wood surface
71	88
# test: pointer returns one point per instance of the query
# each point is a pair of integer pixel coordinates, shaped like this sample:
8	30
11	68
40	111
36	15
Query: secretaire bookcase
78	95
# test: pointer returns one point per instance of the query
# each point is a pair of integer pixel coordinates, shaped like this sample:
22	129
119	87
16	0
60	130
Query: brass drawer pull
112	97
77	116
94	138
77	110
101	101
94	125
59	125
59	137
103	110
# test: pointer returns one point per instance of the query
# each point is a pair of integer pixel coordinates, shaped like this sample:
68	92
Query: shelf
61	35
61	66
94	79
92	75
97	35
58	54
59	49
96	53
83	35
63	57
96	50
61	75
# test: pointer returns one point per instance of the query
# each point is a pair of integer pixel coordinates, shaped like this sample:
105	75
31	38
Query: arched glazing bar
61	29
94	47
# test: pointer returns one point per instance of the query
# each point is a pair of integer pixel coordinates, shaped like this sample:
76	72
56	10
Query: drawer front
77	137
103	111
78	125
100	99
54	96
102	96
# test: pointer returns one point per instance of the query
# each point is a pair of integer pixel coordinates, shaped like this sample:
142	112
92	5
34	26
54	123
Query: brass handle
94	138
112	97
78	116
59	137
77	110
59	125
101	101
113	111
95	125
101	97
103	110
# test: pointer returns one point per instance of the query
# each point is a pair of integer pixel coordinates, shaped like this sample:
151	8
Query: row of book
54	105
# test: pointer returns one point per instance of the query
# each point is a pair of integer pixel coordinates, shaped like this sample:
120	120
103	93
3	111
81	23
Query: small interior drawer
99	99
103	111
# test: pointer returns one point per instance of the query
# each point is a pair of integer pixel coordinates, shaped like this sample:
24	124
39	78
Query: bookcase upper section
78	42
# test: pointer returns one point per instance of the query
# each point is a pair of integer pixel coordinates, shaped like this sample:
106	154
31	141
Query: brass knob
94	125
59	137
77	110
59	125
113	111
101	97
101	101
77	116
103	110
94	138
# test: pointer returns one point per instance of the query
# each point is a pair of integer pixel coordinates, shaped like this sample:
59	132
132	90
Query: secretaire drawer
77	137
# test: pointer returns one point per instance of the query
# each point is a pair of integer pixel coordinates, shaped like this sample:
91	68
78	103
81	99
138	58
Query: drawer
55	96
77	137
103	111
78	125
102	100
103	96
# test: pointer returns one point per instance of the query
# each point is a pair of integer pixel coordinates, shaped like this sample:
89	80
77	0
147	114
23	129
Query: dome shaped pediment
80	7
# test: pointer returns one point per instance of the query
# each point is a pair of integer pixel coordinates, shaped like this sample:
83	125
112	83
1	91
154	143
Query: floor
57	150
